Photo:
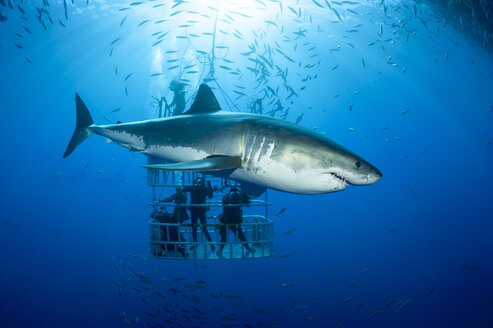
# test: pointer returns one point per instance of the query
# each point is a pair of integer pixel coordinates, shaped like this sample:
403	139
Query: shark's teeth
335	175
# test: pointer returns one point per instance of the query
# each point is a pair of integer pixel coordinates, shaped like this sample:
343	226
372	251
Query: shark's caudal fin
205	102
84	120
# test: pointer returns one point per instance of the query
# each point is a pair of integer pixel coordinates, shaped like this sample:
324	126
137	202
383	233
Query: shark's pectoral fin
251	189
211	163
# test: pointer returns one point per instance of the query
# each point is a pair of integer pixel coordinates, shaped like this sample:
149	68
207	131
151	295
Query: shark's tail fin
84	120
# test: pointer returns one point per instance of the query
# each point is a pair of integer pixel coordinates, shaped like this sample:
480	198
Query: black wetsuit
170	233
232	217
180	212
178	102
198	195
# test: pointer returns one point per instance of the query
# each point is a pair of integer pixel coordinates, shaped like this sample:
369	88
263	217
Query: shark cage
173	235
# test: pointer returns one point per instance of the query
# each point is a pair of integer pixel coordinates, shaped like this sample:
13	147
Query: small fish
281	211
431	290
348	299
288	232
175	13
128	76
116	110
115	41
376	313
337	14
405	111
234	296
354	283
144	21
21	9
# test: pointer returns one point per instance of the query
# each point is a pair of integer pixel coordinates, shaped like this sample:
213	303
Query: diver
170	234
198	194
179	197
178	102
232	217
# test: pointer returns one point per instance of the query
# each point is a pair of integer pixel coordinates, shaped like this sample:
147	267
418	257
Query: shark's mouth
338	177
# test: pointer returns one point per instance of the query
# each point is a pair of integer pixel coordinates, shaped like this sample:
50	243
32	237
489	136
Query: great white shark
258	151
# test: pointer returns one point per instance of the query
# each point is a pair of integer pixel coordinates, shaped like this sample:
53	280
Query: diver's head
200	181
234	196
176	86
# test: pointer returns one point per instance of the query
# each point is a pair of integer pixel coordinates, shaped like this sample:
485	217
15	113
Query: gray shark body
252	149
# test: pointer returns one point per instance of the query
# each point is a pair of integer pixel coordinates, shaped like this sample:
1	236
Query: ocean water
392	81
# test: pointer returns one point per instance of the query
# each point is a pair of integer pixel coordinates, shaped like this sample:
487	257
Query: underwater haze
399	83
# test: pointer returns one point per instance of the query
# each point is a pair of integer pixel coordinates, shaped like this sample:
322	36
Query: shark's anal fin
212	163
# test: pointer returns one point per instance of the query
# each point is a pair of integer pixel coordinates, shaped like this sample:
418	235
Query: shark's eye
357	164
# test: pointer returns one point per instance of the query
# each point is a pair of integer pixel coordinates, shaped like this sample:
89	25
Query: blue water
425	122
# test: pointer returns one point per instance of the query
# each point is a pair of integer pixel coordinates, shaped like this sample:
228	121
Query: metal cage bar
174	240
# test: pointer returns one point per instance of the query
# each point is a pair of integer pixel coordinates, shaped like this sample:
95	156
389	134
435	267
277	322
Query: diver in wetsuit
198	194
178	102
179	197
232	218
170	233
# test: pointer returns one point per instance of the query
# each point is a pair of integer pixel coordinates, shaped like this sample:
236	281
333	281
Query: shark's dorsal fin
205	102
